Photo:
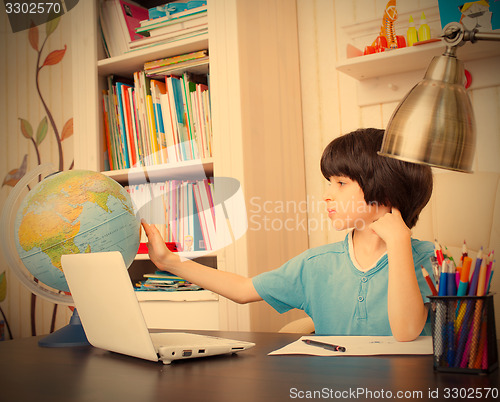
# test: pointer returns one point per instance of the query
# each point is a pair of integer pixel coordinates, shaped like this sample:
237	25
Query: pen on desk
429	281
324	345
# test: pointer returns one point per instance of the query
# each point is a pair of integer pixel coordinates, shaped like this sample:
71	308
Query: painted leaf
26	129
33	36
54	57
13	177
41	131
3	286
67	130
10	179
51	26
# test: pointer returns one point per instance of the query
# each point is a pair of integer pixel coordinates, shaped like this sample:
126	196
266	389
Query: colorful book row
150	121
183	211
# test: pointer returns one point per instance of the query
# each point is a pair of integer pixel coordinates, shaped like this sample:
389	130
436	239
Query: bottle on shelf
411	34
424	31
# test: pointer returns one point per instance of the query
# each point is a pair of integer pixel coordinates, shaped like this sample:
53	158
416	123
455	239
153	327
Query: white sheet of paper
359	346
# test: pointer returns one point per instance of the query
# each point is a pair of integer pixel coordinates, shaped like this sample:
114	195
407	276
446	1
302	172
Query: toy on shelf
387	38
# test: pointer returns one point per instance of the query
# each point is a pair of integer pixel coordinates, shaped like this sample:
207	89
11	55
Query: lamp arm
475	36
455	34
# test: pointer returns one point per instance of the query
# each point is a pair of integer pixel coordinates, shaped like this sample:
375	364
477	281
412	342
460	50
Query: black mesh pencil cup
463	334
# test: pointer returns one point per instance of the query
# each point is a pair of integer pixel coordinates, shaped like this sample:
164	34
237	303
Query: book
174	17
178	67
179	209
181	26
118	20
168	61
151	121
158	88
168	37
131	16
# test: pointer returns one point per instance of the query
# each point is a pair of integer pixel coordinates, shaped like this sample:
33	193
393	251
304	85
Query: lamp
434	123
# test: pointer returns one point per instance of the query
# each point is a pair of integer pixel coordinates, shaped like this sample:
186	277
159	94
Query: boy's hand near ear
407	313
391	228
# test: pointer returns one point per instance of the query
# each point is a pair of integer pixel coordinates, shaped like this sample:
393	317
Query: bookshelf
257	128
134	61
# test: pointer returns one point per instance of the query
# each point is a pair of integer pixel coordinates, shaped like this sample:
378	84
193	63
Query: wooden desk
32	373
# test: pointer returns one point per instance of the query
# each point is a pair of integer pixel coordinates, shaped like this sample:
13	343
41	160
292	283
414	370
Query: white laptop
113	320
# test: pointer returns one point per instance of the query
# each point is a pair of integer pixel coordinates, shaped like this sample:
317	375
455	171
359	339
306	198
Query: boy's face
346	205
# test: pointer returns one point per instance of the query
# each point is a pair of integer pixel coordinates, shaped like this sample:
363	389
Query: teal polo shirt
340	299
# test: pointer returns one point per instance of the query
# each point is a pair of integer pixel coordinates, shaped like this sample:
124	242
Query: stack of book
182	211
164	281
118	22
149	122
182	25
170	65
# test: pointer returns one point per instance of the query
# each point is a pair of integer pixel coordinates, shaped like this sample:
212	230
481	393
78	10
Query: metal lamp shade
434	124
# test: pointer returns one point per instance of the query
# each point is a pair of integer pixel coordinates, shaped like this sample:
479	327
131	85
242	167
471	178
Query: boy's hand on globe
160	255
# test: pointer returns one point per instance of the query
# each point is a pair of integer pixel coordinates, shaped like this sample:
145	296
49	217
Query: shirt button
361	298
364	279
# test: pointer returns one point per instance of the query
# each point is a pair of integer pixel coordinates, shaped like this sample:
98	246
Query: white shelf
134	60
189	170
177	296
411	59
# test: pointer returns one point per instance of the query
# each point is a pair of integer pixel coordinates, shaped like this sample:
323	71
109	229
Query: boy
370	283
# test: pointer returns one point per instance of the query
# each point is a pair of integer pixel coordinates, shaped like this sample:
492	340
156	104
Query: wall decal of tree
46	125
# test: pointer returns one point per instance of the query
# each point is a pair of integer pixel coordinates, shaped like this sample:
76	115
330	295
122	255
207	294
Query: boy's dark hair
386	181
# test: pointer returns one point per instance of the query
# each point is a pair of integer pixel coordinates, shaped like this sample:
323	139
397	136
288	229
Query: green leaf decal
26	129
51	26
41	132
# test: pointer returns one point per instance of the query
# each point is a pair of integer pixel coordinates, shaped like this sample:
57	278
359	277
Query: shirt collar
353	258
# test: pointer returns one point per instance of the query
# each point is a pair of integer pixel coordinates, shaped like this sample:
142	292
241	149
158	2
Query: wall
330	101
21	106
331	108
274	181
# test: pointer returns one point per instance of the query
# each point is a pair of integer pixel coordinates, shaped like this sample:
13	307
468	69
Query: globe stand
69	336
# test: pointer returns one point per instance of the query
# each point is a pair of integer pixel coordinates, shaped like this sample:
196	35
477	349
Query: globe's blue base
68	336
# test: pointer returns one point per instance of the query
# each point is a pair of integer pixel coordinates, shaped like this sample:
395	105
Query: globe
67	212
73	212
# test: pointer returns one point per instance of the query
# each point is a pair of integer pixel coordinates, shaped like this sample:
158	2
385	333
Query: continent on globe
74	212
